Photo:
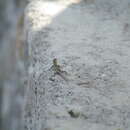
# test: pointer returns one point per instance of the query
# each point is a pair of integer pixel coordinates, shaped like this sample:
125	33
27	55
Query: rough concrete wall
12	71
88	87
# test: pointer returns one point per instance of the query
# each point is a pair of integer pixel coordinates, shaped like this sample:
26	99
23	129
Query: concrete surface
91	41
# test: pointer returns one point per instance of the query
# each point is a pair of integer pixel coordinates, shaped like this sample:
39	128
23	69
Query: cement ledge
91	89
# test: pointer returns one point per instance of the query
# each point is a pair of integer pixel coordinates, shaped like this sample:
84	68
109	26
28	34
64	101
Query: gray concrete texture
79	74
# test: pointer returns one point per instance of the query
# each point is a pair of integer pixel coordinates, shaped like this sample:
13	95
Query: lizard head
55	61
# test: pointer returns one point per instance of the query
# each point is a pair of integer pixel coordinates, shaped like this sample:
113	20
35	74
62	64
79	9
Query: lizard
57	69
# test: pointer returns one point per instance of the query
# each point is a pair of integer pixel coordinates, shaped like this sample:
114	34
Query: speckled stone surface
91	41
